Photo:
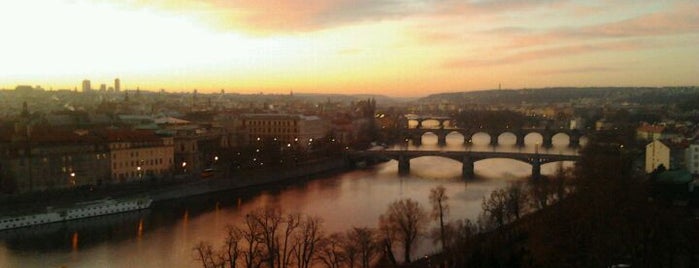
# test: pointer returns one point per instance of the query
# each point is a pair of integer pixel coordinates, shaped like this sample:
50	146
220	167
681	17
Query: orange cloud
680	19
553	52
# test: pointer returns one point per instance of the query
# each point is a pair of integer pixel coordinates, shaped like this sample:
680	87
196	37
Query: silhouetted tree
331	252
405	220
307	241
363	241
440	210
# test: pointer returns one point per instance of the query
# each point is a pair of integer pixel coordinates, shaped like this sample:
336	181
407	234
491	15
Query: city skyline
401	48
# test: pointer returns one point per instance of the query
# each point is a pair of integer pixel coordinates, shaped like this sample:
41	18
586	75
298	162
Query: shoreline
37	202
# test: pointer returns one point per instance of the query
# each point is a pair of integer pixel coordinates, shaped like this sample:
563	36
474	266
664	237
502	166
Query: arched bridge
415	134
468	158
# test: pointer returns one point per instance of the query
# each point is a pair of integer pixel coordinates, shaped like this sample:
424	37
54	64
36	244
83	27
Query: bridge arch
481	138
455	138
429	138
561	139
507	138
533	138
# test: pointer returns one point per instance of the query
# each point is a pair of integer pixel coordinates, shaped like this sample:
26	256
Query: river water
164	235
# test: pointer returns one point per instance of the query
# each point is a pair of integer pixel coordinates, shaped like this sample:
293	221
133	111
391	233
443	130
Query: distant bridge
415	134
468	158
442	129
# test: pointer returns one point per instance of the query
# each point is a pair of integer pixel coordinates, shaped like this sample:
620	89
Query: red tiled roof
128	135
651	128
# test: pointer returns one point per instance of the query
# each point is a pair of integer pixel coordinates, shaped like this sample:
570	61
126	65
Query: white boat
78	211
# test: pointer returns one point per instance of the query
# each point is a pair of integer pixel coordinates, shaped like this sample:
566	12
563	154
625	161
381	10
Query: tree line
268	237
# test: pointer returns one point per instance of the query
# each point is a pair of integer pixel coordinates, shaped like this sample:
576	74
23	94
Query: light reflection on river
165	235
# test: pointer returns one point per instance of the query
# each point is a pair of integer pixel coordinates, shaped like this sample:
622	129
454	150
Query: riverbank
168	190
251	179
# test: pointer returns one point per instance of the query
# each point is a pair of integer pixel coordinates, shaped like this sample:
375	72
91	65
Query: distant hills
643	95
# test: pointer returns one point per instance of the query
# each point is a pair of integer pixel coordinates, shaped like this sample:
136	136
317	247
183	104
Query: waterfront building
197	148
286	128
49	159
138	154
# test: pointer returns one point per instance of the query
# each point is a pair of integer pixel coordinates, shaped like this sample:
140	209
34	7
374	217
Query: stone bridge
415	135
445	127
468	158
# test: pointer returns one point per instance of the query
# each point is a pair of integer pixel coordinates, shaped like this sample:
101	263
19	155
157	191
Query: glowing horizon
394	48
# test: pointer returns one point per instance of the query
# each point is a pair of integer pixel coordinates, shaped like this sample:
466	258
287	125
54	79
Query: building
86	86
197	148
117	85
665	152
692	158
650	132
286	128
138	155
39	160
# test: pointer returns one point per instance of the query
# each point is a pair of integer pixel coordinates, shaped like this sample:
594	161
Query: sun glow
388	47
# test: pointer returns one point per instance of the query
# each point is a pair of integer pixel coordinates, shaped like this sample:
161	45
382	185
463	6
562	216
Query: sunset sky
395	47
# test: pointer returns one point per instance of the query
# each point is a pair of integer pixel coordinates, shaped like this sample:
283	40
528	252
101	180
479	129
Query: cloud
552	52
285	16
680	19
588	69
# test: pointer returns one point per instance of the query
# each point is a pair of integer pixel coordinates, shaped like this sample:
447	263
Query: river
164	235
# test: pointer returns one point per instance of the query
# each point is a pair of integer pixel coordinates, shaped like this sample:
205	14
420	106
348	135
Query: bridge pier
520	140
547	141
467	139
574	141
403	165
536	168
467	168
493	139
417	141
442	139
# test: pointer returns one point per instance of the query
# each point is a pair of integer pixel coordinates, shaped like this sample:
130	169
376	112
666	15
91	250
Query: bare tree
331	252
408	219
287	245
516	200
252	246
231	250
494	207
204	253
440	209
387	235
364	241
307	241
268	221
539	193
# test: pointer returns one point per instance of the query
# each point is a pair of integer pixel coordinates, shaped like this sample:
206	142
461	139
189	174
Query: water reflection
165	235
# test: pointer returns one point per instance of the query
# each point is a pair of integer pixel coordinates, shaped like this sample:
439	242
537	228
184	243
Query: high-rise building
86	86
103	87
117	85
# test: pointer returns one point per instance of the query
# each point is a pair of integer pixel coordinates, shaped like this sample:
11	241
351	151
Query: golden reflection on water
74	241
140	228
